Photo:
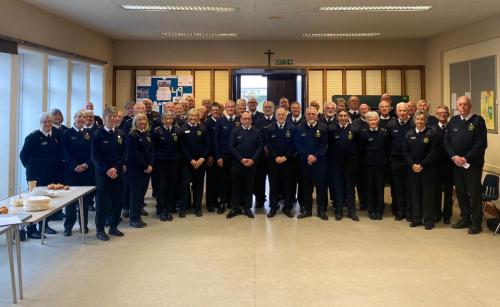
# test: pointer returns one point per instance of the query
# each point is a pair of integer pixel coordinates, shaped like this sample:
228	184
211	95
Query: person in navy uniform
78	169
57	122
296	119
245	145
89	106
154	119
139	165
195	147
139	107
41	155
223	129
465	142
90	125
166	155
108	157
354	108
262	166
311	142
412	108
423	105
129	112
344	143
444	182
384	109
180	117
279	142
400	182
213	170
420	149
359	123
330	121
373	148
252	108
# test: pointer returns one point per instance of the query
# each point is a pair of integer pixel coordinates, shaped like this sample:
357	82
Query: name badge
44	143
395	131
288	134
187	131
455	129
303	134
162	138
105	142
224	127
148	138
370	139
239	137
273	136
413	138
73	138
337	137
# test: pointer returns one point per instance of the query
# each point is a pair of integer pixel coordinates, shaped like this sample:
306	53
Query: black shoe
399	217
67	232
144	212
136	224
409	219
338	216
437	219
304	214
125	213
429	226
101	235
461	225
211	209
169	217
92	208
174	210
354	217
35	235
372	216
182	214
142	222
163	216
198	213
474	230
86	230
288	212
322	215
115	232
416	223
272	212
233	213
380	216
248	213
49	230
447	221
59	216
221	209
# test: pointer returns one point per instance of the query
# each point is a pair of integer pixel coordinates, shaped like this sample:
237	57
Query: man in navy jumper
311	142
245	145
465	142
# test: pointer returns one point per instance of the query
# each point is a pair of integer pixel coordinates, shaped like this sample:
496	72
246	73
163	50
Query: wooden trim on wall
344	81
384	84
324	88
133	84
422	82
363	81
403	82
113	90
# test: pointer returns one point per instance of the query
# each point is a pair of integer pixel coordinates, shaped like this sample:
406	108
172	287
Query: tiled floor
213	261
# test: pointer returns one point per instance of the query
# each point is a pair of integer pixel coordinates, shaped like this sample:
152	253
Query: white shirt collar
107	129
353	111
373	129
297	118
313	125
245	128
77	130
468	116
44	133
280	125
192	126
56	126
417	131
269	117
384	118
229	116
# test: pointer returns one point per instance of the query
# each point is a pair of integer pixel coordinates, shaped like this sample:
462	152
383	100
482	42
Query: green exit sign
283	62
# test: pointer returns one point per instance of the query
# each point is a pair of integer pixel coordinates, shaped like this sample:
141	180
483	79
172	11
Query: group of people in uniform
227	151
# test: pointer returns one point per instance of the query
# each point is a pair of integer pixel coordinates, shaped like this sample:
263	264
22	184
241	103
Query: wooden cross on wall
268	53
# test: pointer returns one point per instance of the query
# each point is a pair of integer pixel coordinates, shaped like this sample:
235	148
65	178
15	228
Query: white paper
467	94
185	80
453	99
163	93
9	220
143	81
466	165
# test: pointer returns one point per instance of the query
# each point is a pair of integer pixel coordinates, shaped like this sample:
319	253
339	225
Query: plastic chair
490	194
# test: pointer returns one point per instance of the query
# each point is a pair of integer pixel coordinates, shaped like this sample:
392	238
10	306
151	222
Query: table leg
82	222
11	264
19	264
43	230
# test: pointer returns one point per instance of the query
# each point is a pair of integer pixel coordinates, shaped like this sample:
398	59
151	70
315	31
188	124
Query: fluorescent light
386	8
200	35
216	9
337	35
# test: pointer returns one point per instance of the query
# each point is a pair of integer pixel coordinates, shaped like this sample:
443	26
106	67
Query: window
254	86
78	86
5	85
97	87
30	102
58	86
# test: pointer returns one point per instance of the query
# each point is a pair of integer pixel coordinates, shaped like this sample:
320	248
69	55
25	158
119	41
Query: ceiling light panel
339	35
179	8
199	35
387	8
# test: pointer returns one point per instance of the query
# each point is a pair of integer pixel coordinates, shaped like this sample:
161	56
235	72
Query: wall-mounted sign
283	62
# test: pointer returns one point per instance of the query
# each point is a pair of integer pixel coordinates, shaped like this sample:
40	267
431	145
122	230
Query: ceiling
253	22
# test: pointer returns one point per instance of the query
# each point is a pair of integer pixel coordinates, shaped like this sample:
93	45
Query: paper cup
31	185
